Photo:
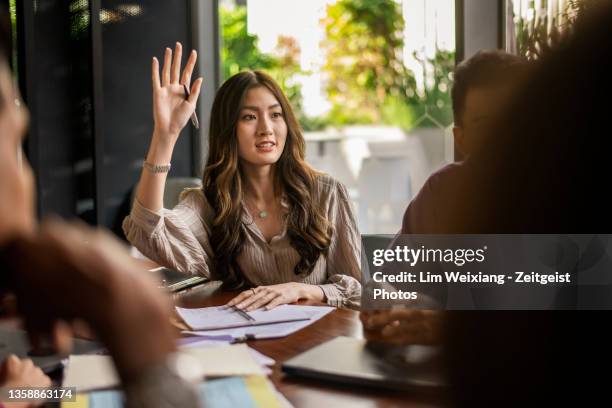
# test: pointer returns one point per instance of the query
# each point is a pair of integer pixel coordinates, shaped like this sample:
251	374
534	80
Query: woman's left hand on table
270	296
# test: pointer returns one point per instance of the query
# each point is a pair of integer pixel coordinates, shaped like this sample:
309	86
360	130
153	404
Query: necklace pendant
263	214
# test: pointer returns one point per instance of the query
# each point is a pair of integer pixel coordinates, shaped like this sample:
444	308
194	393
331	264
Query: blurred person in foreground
483	86
60	272
543	170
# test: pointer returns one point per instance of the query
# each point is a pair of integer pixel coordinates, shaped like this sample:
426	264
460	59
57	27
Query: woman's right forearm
150	193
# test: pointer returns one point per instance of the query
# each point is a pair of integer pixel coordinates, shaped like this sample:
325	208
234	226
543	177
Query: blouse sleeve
343	287
177	238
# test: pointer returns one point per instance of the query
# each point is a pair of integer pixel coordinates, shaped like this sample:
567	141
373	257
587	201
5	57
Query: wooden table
311	393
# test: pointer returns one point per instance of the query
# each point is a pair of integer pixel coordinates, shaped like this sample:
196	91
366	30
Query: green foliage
13	15
239	49
436	98
240	52
396	112
368	82
537	36
286	70
79	20
364	58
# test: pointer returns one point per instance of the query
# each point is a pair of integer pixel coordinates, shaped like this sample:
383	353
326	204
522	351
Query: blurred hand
171	110
273	295
71	271
17	186
16	373
401	326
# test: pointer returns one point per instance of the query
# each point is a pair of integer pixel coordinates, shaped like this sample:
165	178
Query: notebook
175	281
354	361
222	317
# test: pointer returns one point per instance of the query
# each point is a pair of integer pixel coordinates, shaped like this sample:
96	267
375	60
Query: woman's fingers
262	301
155	74
239	298
252	299
195	91
188	71
277	301
175	72
166	67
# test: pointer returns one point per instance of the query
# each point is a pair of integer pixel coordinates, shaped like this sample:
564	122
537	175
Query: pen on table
194	117
243	313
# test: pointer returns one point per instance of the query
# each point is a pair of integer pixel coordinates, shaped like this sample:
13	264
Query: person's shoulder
446	174
195	200
193	197
327	185
192	194
448	169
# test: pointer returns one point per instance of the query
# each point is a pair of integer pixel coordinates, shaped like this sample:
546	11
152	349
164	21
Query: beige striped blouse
178	239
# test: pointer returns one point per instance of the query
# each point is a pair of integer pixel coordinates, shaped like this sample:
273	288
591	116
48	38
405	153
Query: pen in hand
194	116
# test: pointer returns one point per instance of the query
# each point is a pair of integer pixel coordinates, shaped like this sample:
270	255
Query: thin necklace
263	214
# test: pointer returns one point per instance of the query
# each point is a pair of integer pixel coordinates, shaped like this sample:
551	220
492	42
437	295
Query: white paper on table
270	331
90	372
259	357
203	342
226	360
222	317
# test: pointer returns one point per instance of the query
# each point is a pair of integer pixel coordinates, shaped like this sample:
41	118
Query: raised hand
171	110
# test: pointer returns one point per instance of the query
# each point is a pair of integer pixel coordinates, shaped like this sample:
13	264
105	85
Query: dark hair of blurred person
542	170
483	84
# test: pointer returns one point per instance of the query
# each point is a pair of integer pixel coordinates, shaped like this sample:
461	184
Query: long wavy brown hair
308	229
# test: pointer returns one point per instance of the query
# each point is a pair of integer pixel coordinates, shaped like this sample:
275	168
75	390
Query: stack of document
94	372
221	323
242	370
230	392
223	317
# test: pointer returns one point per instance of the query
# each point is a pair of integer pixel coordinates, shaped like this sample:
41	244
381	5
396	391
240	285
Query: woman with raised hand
264	220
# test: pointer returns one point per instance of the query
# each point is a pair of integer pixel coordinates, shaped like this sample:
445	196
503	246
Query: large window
533	26
370	81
